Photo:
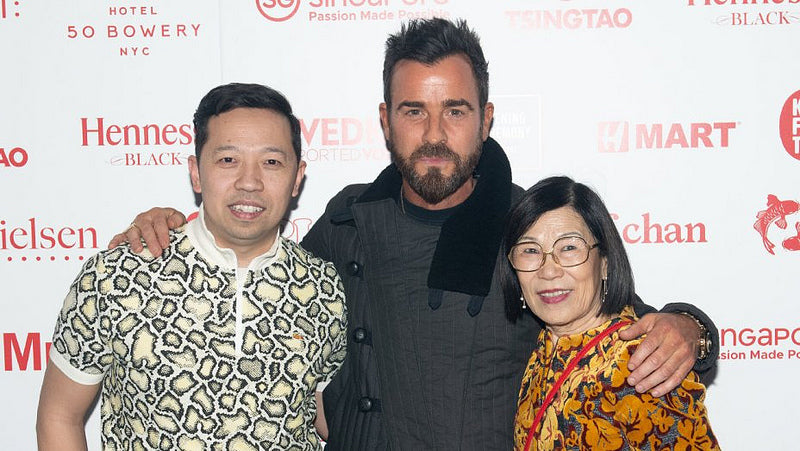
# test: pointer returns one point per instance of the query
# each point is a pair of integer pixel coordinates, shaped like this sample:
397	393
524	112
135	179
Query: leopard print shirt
194	354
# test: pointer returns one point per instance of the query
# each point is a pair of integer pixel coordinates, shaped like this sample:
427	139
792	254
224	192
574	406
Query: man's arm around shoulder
670	348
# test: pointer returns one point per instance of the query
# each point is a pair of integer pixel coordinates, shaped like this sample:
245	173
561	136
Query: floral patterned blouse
596	409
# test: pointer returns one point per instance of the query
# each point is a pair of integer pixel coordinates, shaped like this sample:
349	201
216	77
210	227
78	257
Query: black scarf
466	252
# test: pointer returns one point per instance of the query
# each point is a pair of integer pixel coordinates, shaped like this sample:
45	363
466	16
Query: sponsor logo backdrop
685	115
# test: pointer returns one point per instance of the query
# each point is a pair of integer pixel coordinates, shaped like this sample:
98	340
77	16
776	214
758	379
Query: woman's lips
553	296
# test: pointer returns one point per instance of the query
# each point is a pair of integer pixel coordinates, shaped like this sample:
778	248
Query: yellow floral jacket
596	409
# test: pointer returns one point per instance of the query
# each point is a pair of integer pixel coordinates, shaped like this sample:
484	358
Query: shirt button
353	268
365	404
359	335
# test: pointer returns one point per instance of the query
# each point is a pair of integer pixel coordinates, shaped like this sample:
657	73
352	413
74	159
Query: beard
433	186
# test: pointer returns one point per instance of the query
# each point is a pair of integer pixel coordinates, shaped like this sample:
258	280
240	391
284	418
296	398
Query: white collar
202	239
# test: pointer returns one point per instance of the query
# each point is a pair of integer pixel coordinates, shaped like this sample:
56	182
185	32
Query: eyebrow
529	239
410	104
268	149
449	103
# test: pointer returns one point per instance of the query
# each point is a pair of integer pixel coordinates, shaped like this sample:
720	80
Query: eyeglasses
567	252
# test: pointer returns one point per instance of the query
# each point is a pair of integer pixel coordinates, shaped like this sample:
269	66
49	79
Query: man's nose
434	130
249	178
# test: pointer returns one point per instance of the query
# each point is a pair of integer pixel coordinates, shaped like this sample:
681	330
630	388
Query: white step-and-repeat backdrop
684	114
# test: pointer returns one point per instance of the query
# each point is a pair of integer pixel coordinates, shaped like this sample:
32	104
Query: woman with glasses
567	264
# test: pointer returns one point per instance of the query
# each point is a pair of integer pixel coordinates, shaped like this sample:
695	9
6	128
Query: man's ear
301	170
383	110
194	173
488	115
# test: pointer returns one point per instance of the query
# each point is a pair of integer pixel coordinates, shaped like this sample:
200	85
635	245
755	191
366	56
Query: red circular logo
278	10
790	125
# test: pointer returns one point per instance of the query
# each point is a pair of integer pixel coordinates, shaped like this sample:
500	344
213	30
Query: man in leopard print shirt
225	341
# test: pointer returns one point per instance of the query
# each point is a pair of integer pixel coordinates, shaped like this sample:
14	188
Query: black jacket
432	361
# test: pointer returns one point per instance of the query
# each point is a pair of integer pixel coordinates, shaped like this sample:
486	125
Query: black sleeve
705	368
320	238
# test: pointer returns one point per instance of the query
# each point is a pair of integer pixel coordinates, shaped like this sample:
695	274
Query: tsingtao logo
569	19
776	213
278	10
790	125
15	157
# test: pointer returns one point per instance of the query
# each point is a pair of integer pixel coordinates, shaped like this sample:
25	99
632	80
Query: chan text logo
648	230
623	136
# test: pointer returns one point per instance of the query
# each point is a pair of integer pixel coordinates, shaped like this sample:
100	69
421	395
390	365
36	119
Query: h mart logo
622	136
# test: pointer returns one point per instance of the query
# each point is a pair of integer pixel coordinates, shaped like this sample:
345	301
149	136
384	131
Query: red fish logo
793	243
776	212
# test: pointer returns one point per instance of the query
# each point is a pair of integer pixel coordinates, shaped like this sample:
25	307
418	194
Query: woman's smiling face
567	299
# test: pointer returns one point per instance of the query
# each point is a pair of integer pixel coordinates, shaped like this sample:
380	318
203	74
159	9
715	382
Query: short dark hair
228	97
550	194
430	40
